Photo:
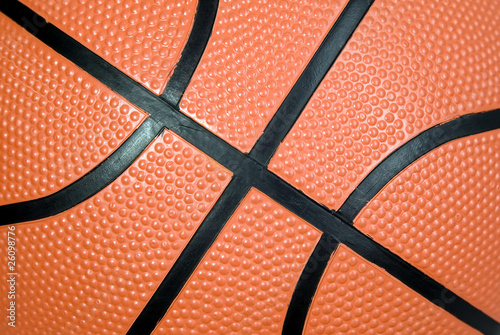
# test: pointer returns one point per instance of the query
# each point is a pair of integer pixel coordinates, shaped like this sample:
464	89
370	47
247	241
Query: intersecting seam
241	157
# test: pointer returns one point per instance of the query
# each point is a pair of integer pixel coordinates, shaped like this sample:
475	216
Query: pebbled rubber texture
441	214
92	269
142	38
57	122
409	66
356	297
245	281
257	51
111	303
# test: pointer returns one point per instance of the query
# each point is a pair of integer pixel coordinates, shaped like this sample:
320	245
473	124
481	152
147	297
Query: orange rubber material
409	66
257	51
441	215
92	269
57	122
356	297
246	280
143	39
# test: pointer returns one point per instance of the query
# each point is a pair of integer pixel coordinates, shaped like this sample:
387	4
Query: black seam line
307	285
309	80
159	110
242	165
375	253
190	258
89	184
411	151
204	21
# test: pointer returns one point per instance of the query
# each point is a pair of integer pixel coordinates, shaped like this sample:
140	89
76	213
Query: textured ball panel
257	51
409	66
356	297
142	38
92	269
442	215
57	122
245	282
124	261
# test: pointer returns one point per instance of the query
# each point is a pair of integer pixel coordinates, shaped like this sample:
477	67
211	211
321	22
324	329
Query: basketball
250	167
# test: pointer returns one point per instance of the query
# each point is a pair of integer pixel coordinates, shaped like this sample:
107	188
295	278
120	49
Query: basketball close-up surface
249	167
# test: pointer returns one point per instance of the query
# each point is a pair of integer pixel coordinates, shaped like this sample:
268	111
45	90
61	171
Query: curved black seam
204	21
345	233
89	184
250	171
411	151
310	79
307	285
160	110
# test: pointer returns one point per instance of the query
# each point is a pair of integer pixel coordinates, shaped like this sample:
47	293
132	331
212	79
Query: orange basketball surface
409	66
249	167
245	282
144	39
57	121
441	214
256	53
356	297
93	268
